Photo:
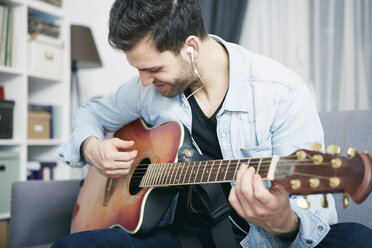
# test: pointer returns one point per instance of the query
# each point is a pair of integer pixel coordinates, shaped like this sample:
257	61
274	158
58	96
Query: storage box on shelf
45	55
6	119
9	172
38	125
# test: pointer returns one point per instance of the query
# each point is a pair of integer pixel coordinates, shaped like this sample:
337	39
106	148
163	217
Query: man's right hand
107	155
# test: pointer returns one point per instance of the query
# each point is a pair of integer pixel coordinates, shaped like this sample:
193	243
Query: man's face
170	74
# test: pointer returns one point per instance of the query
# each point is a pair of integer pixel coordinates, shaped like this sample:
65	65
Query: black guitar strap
210	202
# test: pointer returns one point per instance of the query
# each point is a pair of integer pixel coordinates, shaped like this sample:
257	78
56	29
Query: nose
146	78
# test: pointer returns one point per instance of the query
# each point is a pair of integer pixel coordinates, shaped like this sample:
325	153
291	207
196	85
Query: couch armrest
360	213
41	211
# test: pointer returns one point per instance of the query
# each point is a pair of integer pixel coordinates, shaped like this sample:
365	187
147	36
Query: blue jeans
341	235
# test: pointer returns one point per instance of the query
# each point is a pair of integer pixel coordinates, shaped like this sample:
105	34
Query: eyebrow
151	68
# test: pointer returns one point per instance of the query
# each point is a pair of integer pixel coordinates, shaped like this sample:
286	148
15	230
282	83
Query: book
41	170
3	25
6	35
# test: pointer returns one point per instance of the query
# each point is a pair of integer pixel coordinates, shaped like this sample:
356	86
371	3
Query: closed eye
152	70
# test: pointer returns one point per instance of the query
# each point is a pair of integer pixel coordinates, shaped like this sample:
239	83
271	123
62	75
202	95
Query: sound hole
138	173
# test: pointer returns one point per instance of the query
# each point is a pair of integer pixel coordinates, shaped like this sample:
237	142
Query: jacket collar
238	74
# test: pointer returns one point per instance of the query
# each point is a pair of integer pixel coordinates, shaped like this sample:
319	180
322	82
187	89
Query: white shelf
44	142
44	77
11	71
10	142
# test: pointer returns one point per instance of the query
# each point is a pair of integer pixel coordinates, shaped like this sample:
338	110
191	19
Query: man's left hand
267	208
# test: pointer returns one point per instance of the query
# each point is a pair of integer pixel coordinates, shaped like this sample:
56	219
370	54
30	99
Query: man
234	103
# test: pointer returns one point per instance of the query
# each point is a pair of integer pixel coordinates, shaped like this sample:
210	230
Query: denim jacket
268	110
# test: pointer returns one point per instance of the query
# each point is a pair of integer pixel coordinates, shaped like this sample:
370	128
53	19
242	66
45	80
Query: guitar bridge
109	188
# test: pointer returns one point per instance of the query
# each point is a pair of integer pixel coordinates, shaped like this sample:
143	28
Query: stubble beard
185	78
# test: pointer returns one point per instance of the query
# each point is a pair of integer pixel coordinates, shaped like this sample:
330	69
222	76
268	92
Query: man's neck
213	67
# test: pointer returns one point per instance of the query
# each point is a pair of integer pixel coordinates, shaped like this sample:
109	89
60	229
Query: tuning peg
352	152
301	155
336	163
324	201
317	147
333	149
318	159
303	203
345	201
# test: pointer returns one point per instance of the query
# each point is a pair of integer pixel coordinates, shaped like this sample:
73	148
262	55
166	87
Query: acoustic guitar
137	202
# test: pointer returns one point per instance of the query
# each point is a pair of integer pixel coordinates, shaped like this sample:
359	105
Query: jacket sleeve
99	116
297	125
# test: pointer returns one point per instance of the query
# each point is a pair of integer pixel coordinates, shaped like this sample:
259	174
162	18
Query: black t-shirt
204	132
204	129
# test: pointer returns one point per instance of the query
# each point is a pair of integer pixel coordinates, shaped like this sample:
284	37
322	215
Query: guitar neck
203	172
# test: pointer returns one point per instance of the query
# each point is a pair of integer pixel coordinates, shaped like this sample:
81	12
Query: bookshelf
25	87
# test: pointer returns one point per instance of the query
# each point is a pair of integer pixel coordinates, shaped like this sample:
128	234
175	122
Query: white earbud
190	50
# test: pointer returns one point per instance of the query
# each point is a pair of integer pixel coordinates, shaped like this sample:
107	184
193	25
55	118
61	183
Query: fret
227	169
204	166
171	173
231	171
145	178
181	174
206	172
259	165
210	172
160	174
218	171
191	172
156	174
236	169
168	172
197	173
200	172
222	171
187	168
164	174
153	174
176	181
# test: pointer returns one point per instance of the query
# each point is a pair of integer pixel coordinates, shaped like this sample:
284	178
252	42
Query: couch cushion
41	211
350	129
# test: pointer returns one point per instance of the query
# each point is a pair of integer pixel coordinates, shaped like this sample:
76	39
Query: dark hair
167	22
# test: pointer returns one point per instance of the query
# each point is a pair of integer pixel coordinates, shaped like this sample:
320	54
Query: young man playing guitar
234	103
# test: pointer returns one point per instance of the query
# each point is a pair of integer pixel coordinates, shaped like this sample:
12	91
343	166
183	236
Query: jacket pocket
263	149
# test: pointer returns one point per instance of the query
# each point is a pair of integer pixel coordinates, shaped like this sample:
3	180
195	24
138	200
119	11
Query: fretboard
202	172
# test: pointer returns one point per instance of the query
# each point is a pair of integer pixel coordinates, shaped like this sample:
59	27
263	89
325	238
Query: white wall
115	70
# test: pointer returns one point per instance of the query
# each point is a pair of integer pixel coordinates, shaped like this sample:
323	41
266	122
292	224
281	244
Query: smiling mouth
160	86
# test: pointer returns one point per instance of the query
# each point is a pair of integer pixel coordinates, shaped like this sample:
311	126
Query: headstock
314	172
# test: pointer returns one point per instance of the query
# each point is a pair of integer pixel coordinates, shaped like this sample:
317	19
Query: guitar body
120	202
104	202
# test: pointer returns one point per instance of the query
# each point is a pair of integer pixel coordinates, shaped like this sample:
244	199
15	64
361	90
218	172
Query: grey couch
41	211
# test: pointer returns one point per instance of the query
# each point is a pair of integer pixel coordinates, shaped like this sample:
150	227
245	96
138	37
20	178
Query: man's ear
194	42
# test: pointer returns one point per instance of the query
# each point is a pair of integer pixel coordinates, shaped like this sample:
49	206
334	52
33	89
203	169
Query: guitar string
263	164
215	174
138	174
187	183
243	160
